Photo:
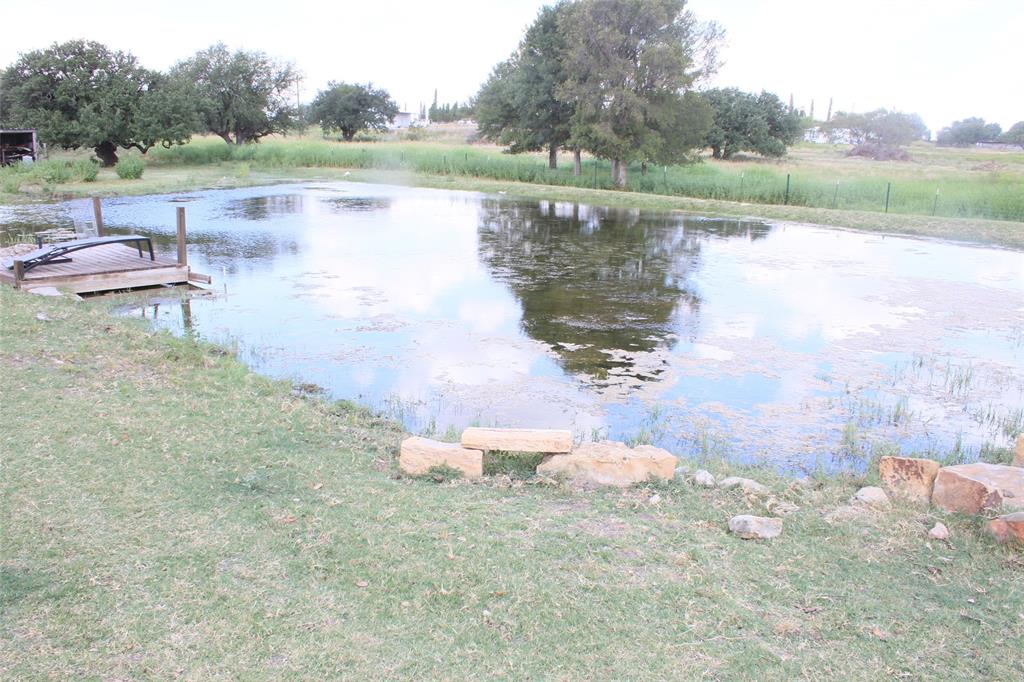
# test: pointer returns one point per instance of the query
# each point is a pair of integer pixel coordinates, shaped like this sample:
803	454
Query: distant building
18	144
833	136
403	119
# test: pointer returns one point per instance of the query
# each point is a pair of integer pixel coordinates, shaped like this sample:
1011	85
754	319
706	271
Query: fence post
97	212
182	253
786	200
741	184
935	204
835	195
888	188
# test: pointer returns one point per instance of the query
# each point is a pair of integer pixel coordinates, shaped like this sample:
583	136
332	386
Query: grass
994	193
167	513
980	192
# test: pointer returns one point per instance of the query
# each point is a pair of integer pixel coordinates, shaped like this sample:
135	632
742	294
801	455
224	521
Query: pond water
802	346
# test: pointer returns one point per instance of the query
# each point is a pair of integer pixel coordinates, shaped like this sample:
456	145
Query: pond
805	347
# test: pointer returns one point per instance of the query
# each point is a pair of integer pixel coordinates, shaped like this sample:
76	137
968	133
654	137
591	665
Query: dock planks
103	268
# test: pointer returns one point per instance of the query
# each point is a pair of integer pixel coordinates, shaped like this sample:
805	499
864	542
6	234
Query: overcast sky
943	59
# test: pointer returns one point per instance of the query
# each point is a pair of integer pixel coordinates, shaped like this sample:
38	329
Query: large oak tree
349	108
241	96
82	94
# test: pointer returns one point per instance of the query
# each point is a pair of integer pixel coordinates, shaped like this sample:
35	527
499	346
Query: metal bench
57	253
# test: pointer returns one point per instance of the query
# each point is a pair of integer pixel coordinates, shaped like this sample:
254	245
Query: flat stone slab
908	478
979	487
610	463
755	527
547	441
53	292
419	455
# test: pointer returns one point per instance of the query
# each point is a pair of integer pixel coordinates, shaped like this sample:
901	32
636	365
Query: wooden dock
104	268
109	267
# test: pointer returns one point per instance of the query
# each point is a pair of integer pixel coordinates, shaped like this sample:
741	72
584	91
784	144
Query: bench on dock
57	253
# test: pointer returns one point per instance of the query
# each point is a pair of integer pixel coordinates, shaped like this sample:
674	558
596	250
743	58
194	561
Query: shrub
130	168
52	172
85	170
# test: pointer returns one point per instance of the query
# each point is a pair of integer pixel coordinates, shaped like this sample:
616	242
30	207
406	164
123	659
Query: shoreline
170	179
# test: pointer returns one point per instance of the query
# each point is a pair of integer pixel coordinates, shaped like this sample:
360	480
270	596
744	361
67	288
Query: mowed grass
166	513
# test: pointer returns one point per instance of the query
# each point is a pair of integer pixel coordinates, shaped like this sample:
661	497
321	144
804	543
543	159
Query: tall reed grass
993	195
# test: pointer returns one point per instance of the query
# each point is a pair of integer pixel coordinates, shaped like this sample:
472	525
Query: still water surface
794	344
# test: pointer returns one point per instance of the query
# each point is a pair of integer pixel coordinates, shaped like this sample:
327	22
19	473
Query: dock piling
182	253
97	212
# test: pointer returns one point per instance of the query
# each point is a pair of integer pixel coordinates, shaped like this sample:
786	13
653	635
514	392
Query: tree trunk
643	168
577	162
619	173
552	156
106	152
716	152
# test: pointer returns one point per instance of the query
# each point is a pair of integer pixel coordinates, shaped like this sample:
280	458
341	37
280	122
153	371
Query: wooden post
19	273
182	253
97	212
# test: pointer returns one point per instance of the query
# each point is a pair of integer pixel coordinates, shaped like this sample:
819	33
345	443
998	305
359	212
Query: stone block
609	463
419	455
979	487
548	441
908	478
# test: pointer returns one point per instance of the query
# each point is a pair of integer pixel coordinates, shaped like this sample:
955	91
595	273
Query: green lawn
166	513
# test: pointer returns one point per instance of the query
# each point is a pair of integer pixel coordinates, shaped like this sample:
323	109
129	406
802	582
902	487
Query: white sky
943	59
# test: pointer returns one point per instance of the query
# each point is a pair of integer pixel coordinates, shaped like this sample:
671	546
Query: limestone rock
518	440
939	532
46	291
781	507
908	478
1007	528
418	455
611	463
1018	459
845	513
749	486
871	496
974	488
755	527
704	479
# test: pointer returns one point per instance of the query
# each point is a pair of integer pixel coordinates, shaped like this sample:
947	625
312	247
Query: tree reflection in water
601	285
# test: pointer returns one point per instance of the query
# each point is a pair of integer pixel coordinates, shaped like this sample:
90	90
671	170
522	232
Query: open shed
17	145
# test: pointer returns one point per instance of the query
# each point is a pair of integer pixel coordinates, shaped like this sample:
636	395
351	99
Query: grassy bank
168	179
981	193
166	513
995	191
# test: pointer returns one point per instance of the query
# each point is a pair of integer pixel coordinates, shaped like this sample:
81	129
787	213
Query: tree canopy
744	121
240	96
1015	135
519	105
349	108
881	126
627	64
967	132
82	94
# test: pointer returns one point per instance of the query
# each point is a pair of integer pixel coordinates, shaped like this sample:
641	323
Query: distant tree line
448	113
82	94
618	79
972	131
